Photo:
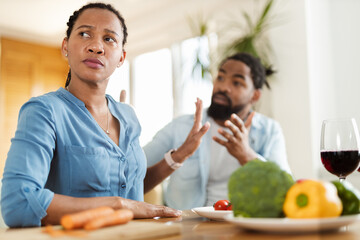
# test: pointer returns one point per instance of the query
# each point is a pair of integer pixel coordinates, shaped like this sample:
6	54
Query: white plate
210	212
292	225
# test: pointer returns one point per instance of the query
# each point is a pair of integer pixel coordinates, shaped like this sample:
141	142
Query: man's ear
122	59
256	96
64	49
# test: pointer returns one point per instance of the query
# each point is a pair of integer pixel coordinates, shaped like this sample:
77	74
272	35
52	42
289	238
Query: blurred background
173	50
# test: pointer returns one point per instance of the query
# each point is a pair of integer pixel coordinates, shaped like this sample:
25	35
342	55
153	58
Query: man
236	136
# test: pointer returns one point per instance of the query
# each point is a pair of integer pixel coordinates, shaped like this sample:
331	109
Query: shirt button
123	185
26	189
122	159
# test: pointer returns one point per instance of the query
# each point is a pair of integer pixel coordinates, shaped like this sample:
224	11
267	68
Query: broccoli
258	189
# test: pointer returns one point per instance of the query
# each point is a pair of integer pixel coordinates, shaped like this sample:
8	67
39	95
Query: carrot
78	220
120	216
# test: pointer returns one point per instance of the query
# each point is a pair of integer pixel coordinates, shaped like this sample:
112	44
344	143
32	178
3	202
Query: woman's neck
93	96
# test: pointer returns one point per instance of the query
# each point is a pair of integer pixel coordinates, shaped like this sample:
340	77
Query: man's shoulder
183	119
261	121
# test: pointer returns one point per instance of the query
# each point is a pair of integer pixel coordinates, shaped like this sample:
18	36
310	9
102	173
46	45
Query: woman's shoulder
48	100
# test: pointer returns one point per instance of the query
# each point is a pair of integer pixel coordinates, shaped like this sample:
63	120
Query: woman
77	148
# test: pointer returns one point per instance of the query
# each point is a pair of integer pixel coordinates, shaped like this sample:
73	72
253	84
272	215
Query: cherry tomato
222	205
300	180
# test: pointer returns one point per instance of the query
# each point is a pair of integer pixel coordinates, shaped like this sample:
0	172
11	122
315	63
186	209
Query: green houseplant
250	40
253	41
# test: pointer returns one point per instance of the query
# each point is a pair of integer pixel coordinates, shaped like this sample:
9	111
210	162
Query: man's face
233	90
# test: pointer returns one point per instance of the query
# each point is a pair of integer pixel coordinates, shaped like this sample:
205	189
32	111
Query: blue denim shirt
59	148
186	187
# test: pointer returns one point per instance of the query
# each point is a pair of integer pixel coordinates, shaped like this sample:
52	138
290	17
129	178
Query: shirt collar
71	97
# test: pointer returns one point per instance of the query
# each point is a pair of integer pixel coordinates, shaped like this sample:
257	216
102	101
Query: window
153	98
193	85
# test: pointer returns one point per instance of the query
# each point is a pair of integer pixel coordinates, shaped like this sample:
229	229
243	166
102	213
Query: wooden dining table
189	226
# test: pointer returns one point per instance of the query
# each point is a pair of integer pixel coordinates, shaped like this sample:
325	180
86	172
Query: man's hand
193	140
122	96
158	172
237	143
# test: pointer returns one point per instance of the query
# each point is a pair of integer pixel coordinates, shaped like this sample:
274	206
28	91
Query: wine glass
339	147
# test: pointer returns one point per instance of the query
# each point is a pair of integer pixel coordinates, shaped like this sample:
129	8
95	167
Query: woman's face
94	48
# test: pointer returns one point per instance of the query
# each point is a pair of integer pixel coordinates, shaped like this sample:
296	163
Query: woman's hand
61	205
237	143
194	137
147	210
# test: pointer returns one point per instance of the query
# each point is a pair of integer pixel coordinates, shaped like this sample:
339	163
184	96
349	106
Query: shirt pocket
137	164
89	169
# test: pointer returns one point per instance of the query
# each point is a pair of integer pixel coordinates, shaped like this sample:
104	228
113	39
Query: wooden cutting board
131	230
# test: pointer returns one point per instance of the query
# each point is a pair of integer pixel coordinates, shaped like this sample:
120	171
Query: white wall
290	90
345	20
321	71
345	71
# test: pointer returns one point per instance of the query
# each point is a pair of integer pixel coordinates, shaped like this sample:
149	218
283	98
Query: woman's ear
122	59
64	49
256	96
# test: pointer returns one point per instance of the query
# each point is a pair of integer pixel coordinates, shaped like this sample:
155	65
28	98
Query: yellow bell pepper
312	199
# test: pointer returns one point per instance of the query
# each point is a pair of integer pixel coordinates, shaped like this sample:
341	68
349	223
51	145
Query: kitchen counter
189	226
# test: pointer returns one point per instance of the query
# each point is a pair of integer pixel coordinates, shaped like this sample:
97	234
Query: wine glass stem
342	179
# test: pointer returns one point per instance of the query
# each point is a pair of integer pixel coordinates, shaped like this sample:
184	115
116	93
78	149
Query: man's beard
223	112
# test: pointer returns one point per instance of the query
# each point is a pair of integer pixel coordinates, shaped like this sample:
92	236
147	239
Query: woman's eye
110	39
219	78
84	34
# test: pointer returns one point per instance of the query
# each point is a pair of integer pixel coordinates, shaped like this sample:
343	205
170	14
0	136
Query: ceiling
44	21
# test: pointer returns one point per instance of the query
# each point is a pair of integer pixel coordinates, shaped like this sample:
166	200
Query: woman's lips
93	63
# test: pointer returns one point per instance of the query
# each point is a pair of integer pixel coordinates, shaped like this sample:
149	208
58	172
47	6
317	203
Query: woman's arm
24	199
62	204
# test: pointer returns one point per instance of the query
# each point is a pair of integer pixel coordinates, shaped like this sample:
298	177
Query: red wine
341	163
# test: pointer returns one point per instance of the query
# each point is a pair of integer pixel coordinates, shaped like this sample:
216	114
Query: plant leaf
248	20
260	23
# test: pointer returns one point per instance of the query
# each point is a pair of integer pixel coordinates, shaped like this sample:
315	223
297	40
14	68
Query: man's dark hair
76	14
258	71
